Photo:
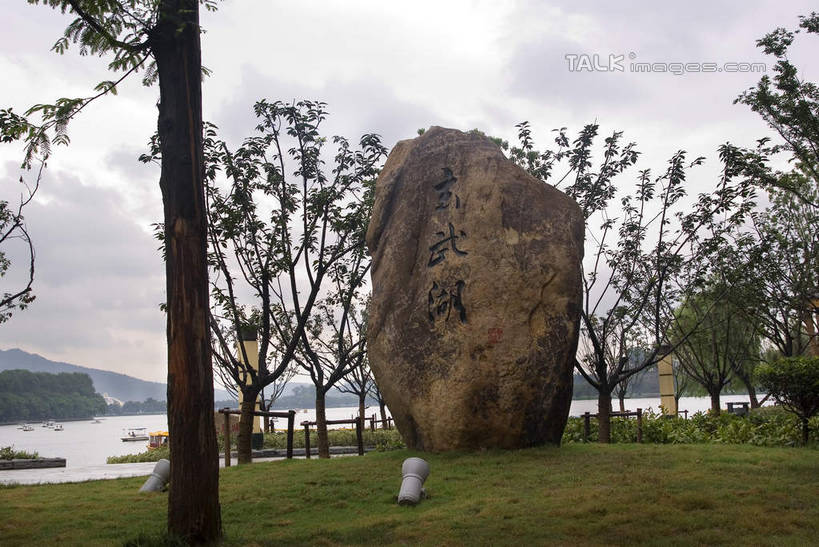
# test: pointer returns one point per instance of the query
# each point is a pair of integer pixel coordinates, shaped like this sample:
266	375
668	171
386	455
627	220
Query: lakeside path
88	473
106	471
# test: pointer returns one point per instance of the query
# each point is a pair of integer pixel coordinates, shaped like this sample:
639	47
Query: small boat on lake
27	427
58	427
135	434
157	439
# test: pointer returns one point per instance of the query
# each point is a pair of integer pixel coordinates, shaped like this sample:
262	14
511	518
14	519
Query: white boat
58	427
48	423
27	427
135	434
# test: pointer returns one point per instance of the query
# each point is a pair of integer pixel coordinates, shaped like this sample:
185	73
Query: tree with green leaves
794	382
649	248
161	38
790	106
714	340
286	248
775	268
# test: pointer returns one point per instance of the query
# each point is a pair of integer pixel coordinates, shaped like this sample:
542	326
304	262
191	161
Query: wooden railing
385	424
357	422
588	416
290	415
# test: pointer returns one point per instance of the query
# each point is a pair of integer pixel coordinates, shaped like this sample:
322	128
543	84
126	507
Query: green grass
577	494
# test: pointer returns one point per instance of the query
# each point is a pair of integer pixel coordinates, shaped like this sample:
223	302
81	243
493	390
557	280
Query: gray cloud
99	280
355	107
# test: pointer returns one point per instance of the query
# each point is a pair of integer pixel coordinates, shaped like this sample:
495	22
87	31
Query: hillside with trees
33	396
119	386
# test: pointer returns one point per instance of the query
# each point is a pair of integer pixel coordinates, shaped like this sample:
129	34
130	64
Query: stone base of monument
476	281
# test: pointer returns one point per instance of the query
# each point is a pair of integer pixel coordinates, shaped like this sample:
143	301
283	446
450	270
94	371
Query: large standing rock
476	277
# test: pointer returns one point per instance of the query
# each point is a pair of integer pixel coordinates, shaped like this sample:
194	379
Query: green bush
381	439
8	453
147	456
794	382
769	426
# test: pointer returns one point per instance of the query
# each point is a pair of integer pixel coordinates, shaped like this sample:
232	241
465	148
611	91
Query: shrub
769	426
8	453
147	456
794	381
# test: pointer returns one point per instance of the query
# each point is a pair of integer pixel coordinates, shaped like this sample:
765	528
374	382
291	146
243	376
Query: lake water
85	444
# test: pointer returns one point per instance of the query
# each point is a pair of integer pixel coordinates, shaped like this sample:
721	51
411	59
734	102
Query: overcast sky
383	67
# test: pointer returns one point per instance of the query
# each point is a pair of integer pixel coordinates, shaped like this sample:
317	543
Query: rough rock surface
476	295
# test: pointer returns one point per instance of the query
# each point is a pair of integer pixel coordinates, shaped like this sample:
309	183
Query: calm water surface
85	443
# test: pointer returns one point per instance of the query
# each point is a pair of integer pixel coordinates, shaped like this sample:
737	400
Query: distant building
111	400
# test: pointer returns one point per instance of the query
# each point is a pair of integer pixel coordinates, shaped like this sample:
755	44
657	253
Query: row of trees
30	396
285	244
706	278
287	256
148	406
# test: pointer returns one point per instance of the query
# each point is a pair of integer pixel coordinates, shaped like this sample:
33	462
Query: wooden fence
290	415
357	422
587	423
385	424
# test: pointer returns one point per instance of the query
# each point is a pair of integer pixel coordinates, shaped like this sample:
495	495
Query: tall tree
775	271
714	340
659	253
281	235
162	36
790	106
335	344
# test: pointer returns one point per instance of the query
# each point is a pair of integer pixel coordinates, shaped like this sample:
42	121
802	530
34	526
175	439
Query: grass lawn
576	494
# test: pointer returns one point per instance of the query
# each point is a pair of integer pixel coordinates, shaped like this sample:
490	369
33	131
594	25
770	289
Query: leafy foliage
775	269
9	453
794	381
286	245
767	426
790	106
650	247
714	340
381	439
30	396
161	453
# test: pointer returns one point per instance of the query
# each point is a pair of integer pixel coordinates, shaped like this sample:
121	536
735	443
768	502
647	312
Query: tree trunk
361	409
244	439
604	417
622	398
193	500
321	426
265	419
383	409
715	410
805	431
752	396
749	385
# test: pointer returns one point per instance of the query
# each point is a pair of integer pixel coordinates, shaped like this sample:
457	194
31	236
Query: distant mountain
119	386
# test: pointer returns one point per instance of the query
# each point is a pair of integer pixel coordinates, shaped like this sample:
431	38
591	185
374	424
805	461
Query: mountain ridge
114	384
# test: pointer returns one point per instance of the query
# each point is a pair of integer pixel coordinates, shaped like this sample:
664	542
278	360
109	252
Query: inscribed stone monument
476	279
